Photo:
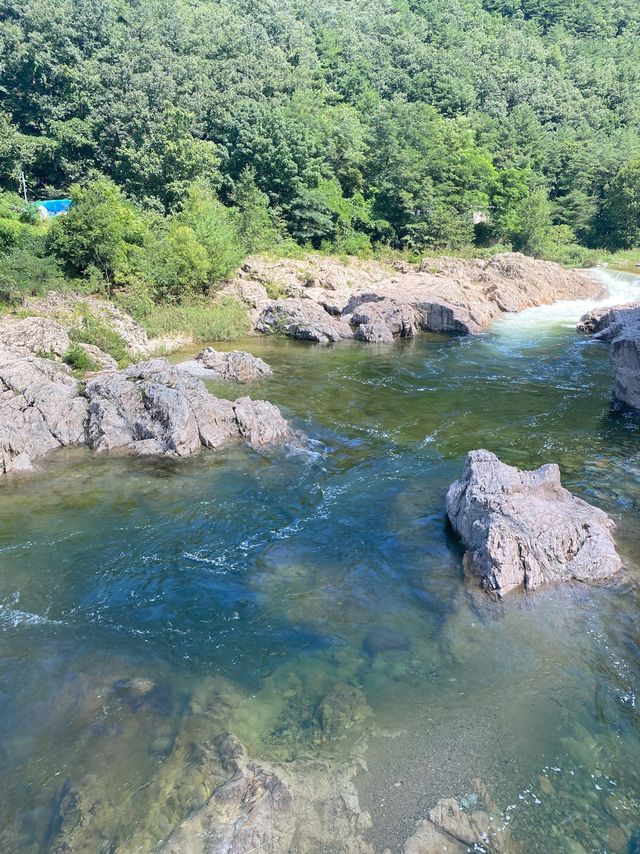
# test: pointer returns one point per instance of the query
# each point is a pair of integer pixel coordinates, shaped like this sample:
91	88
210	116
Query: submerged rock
619	326
522	529
260	807
383	639
460	826
234	366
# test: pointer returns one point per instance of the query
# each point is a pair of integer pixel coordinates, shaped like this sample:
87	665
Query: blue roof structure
55	206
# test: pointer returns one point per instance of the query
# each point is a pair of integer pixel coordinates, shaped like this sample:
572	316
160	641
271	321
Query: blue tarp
55	206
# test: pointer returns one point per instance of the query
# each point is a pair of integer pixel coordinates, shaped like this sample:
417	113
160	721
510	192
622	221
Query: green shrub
214	228
224	319
79	359
97	331
25	273
136	299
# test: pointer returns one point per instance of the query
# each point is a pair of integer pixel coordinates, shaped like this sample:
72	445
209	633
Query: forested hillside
424	124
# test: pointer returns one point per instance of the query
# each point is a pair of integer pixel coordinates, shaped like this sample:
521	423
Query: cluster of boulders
522	529
324	300
148	408
619	327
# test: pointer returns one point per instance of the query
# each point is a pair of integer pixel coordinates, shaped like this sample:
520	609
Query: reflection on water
146	606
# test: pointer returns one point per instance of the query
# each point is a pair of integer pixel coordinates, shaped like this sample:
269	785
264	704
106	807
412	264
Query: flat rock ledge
148	408
235	366
619	327
522	529
326	301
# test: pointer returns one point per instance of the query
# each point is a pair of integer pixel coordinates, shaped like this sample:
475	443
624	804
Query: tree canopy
341	121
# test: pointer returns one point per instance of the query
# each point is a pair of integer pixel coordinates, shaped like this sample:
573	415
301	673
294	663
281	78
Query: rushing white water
620	288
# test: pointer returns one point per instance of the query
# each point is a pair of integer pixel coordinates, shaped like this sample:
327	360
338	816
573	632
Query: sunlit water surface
271	578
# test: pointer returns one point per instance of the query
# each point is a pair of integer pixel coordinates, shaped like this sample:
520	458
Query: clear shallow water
254	585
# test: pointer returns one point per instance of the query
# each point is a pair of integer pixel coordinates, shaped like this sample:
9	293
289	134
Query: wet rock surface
619	327
325	300
522	529
148	408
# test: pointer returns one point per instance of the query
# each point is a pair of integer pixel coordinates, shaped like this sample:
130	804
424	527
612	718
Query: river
263	581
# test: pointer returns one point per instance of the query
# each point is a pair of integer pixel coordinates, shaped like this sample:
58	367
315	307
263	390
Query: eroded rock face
304	319
234	366
522	529
619	326
41	409
36	335
381	320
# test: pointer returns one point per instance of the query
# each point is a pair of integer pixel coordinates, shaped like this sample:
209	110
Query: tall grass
223	319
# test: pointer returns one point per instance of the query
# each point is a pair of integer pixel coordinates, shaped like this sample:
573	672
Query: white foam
620	288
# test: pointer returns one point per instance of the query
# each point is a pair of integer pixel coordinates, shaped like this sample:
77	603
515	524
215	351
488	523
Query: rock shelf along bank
325	300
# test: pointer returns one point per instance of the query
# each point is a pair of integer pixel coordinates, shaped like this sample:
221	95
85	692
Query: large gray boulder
302	318
522	529
148	408
41	409
619	326
234	366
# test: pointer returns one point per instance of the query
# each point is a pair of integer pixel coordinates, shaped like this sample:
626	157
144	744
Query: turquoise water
255	584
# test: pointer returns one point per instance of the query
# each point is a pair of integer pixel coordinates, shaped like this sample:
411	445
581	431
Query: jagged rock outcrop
383	302
155	408
148	408
619	327
522	529
38	335
41	409
234	366
302	318
381	320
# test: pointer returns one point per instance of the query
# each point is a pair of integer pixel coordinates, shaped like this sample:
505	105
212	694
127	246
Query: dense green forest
338	124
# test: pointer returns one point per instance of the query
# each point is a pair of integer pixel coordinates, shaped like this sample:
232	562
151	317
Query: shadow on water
146	605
